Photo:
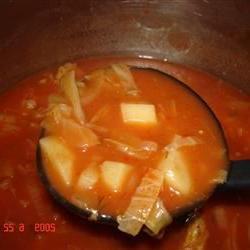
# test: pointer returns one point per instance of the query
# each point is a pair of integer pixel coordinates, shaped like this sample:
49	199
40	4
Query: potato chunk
88	177
177	174
59	157
114	174
143	114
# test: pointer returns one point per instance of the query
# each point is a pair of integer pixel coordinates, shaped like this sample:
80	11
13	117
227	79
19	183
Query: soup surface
36	221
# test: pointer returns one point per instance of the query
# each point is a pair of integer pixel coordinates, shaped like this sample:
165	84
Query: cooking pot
213	36
209	35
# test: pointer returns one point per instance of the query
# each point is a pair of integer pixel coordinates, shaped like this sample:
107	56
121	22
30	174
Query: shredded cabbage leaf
68	85
142	152
158	219
58	121
180	141
142	202
126	78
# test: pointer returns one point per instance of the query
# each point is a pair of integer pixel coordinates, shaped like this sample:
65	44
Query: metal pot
213	36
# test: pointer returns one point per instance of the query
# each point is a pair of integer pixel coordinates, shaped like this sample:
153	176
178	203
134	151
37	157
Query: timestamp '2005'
37	227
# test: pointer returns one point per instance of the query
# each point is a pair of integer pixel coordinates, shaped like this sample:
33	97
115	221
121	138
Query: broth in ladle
114	147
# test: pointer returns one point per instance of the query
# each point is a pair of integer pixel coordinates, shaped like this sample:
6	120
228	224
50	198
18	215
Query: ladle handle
238	176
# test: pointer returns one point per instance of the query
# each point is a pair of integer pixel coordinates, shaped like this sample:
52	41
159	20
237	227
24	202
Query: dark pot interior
213	36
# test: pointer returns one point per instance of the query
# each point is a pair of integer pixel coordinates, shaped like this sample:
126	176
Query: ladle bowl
238	177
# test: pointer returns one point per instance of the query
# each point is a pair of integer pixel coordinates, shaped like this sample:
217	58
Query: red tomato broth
69	231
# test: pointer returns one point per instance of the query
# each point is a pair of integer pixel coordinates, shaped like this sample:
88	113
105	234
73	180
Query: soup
25	106
116	148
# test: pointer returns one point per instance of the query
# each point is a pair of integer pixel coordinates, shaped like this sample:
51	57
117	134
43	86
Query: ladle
238	178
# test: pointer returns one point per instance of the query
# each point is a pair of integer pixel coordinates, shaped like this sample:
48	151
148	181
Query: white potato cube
114	174
59	156
143	114
177	173
88	177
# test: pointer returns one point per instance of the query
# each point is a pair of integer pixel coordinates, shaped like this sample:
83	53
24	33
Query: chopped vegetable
221	177
142	202
176	168
78	135
180	141
59	157
100	114
55	115
68	85
138	113
150	146
100	76
58	121
114	174
80	84
176	172
197	235
117	77
127	143
91	91
88	177
123	136
96	82
55	99
126	77
159	218
133	141
64	69
97	128
29	103
139	153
